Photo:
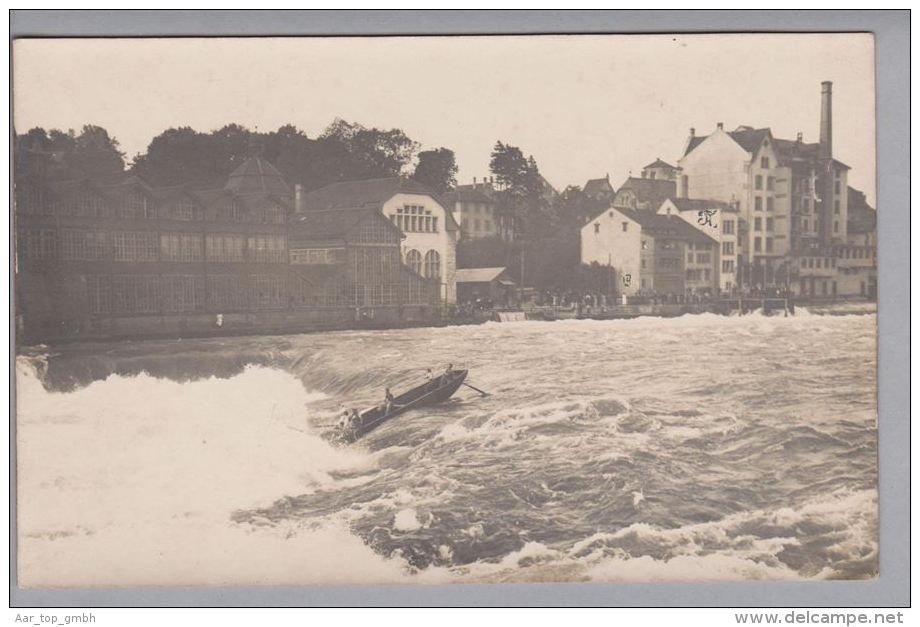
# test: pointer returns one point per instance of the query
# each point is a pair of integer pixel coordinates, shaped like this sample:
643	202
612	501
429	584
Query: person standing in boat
388	402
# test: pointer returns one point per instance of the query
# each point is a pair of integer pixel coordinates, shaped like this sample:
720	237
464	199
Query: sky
583	105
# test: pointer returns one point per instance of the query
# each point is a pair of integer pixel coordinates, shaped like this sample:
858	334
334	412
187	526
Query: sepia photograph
445	310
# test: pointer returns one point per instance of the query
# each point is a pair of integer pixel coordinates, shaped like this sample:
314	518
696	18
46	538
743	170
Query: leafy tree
437	169
180	155
95	152
363	152
521	189
572	208
59	154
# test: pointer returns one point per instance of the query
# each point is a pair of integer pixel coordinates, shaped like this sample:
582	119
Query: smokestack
825	143
719	125
692	132
798	137
298	198
826	165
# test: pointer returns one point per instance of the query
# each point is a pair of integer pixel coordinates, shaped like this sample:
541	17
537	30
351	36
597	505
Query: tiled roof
466	195
477	275
698	204
671	226
328	224
368	193
695	141
652	191
658	163
748	138
596	186
751	139
257	175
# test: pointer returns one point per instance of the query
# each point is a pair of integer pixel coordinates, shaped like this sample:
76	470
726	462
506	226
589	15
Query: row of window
487	226
763	246
139	246
415	219
813	262
758	182
728	265
699	274
817	225
759	202
728	227
856	252
138	206
700	258
118	294
429	267
758	224
728	248
317	256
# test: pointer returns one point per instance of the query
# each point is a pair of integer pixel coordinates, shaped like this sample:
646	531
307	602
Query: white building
718	220
792	198
651	253
430	244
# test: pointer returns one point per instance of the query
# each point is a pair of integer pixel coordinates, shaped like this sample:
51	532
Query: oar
475	388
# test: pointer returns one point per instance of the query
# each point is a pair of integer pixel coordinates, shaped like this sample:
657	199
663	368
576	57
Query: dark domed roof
257	175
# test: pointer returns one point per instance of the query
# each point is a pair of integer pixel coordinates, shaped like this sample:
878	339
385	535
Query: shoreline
535	314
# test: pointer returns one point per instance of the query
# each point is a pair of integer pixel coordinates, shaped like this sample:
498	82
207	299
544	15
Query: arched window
414	261
432	264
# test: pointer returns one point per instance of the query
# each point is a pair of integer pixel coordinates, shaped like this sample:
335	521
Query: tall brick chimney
826	165
825	143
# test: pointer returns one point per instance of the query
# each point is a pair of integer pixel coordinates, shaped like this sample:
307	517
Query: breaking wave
698	448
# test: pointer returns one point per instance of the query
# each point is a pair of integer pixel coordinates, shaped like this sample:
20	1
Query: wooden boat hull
431	392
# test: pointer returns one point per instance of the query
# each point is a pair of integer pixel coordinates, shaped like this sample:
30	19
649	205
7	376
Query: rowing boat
431	392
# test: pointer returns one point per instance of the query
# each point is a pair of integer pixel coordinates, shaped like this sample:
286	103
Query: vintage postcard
445	309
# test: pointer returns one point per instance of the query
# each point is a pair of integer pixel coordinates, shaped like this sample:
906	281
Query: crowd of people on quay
579	301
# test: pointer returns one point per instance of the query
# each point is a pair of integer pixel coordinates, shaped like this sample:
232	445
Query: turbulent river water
695	448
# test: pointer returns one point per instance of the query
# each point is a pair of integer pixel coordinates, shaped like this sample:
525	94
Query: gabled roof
597	186
477	275
750	139
365	193
331	224
369	193
652	191
466	194
699	204
658	163
256	174
667	226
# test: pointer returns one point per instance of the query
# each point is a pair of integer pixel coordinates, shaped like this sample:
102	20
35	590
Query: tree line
545	252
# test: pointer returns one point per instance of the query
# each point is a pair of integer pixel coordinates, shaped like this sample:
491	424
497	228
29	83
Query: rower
354	419
388	402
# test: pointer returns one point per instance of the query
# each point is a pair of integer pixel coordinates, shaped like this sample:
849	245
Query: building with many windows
793	203
117	257
652	253
476	210
718	220
429	247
